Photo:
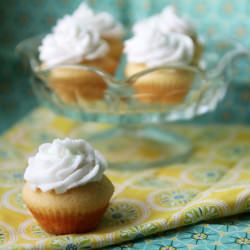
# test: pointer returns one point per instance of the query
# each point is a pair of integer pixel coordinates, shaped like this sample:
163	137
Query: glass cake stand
137	139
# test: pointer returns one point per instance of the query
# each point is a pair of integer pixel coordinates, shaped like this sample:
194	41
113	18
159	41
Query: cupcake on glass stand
152	49
83	38
70	44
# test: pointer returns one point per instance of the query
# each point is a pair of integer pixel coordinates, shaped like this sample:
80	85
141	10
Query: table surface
231	233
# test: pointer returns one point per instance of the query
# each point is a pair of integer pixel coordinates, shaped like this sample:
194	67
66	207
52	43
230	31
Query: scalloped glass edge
211	81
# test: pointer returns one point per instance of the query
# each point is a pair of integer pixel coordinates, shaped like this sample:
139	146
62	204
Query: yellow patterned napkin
215	182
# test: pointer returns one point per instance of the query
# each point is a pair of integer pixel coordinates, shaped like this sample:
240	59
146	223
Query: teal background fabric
21	19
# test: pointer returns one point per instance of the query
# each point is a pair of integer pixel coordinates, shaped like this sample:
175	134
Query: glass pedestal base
136	148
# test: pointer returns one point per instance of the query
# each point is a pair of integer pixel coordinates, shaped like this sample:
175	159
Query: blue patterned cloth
21	19
226	234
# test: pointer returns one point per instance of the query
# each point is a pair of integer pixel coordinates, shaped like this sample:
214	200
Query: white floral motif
243	201
203	175
30	230
162	200
7	235
199	211
124	212
13	201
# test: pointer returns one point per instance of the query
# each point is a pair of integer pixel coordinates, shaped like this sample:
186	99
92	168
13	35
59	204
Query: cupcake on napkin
66	189
152	48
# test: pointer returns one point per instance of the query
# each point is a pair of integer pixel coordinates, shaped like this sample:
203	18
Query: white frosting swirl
167	21
170	21
64	164
102	22
149	23
69	43
156	49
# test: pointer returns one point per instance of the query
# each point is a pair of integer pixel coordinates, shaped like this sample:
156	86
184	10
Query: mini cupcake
70	44
109	29
66	190
168	21
154	49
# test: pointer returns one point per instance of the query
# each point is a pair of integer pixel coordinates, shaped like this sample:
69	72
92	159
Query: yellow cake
73	85
116	47
78	210
168	86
